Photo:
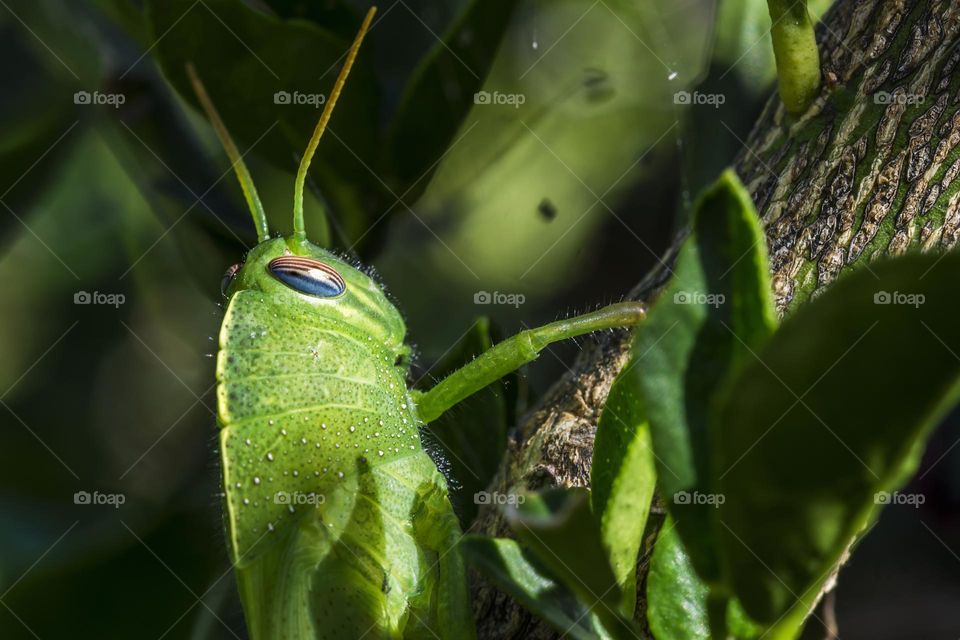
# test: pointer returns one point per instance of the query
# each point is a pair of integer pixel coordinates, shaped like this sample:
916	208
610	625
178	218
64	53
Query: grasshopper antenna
299	231
243	175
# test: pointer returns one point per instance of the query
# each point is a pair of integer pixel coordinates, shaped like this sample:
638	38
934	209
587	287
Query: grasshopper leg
516	351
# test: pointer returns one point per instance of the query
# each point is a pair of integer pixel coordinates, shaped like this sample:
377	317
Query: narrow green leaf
686	347
622	480
833	410
504	562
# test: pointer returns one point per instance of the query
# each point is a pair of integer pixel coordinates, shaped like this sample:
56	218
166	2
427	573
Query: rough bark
869	170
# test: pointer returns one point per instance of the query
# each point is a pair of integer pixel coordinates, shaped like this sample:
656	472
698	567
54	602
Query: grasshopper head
303	277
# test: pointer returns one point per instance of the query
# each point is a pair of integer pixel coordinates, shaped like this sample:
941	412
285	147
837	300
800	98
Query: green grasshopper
339	523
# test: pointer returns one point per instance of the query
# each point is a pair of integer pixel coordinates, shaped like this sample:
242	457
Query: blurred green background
535	149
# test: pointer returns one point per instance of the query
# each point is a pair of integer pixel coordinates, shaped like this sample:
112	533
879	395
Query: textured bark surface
869	170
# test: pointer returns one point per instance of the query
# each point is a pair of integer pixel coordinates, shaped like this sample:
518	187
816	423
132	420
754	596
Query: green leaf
676	598
472	437
678	601
504	562
720	287
442	90
622	481
246	58
834	409
561	531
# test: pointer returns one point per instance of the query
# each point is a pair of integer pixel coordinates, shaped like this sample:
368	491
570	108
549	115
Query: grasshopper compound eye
228	277
308	276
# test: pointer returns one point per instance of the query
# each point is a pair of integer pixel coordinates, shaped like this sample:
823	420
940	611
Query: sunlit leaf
716	308
622	480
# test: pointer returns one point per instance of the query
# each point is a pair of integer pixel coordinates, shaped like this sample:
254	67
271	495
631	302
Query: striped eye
228	276
308	276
